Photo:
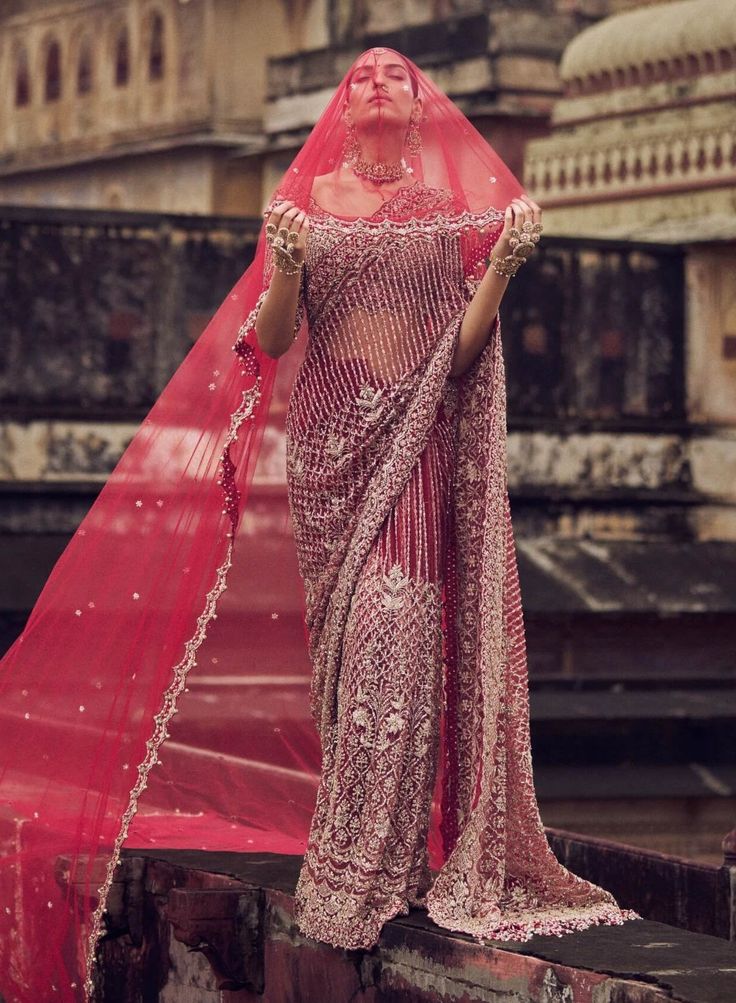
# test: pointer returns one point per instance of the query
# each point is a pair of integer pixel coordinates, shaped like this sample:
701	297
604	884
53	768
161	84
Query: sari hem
522	925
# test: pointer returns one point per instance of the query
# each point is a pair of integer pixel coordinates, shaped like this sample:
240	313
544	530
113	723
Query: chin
388	116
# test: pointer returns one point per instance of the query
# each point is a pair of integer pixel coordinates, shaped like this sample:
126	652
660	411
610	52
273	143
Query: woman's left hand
519	211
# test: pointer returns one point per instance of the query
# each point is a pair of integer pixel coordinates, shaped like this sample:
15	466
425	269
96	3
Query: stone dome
656	34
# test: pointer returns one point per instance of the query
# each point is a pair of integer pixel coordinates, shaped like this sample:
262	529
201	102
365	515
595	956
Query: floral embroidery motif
295	462
337	448
393	591
370	400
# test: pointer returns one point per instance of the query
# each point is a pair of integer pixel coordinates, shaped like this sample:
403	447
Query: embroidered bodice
379	296
381	290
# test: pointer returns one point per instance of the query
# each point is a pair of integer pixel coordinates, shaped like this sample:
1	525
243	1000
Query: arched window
84	68
22	79
52	72
156	49
122	58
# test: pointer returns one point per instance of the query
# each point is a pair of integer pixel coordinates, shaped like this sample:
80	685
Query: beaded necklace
377	171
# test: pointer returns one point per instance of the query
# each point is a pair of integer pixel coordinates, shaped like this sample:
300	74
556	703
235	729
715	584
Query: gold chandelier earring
351	147
414	137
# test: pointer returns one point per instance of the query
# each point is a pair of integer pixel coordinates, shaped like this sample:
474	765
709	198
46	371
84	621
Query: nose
377	79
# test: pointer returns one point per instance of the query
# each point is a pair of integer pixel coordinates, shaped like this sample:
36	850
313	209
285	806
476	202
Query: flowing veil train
184	569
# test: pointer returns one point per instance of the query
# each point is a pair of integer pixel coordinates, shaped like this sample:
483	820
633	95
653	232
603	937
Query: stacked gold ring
522	243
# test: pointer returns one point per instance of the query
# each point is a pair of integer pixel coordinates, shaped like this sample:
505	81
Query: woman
379	240
392	328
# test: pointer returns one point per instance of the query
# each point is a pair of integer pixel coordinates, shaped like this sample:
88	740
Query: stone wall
99	308
623	494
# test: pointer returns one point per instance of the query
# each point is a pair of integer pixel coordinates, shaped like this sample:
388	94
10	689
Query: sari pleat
367	857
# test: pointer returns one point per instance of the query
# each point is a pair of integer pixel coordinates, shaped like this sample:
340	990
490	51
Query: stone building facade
196	105
138	104
643	147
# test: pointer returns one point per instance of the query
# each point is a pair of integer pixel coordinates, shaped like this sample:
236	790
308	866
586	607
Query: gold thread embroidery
393	590
370	400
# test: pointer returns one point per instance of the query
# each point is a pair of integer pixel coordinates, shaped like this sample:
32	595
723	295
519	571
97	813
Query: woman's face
380	92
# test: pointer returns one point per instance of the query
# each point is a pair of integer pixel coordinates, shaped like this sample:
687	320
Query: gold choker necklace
377	171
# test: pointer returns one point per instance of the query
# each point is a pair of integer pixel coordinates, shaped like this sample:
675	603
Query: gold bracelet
285	263
507	267
282	242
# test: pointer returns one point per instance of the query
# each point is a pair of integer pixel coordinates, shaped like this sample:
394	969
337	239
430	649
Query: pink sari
397	489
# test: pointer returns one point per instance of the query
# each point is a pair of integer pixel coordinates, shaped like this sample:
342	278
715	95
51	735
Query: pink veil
177	600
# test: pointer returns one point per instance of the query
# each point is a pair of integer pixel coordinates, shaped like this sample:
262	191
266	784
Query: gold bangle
507	267
283	260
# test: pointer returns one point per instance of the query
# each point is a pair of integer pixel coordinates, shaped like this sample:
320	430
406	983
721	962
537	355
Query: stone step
224	921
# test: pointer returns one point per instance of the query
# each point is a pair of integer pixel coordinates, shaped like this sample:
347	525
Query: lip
379	97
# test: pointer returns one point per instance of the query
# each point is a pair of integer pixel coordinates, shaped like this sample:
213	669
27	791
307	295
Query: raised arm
276	320
480	315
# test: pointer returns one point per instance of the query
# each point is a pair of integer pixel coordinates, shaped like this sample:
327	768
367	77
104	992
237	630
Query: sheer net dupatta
90	688
183	577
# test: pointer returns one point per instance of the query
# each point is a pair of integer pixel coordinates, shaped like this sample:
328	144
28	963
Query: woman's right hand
295	220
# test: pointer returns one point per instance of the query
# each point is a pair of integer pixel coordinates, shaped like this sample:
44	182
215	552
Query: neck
388	149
